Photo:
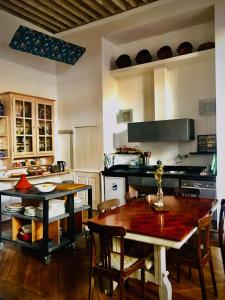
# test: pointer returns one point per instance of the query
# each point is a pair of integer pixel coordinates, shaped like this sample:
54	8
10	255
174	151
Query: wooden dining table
170	228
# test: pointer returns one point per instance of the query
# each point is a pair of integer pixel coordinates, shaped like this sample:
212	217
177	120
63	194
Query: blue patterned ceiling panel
38	43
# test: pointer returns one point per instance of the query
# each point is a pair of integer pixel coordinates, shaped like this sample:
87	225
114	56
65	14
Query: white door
86	148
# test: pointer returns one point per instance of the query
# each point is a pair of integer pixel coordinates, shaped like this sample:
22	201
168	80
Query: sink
175	172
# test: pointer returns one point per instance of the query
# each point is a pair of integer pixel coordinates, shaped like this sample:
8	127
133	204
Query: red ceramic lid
23	183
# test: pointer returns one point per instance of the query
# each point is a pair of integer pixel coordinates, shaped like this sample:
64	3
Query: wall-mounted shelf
209	153
169	62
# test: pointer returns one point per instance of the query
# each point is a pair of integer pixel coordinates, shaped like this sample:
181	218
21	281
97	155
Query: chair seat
115	261
129	261
214	237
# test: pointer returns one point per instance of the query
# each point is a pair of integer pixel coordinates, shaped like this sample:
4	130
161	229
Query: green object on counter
214	164
142	159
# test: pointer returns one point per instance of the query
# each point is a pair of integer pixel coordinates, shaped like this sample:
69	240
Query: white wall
220	94
185	85
22	72
81	85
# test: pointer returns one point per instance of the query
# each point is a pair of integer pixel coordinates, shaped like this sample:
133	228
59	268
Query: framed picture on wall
207	143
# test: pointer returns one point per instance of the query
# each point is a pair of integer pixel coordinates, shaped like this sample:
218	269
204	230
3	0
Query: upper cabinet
31	124
44	127
23	126
4	138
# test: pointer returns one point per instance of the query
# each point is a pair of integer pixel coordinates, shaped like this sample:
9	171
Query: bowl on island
45	187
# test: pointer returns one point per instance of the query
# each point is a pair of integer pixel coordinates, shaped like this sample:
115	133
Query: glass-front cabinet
24	111
26	130
4	138
45	127
33	126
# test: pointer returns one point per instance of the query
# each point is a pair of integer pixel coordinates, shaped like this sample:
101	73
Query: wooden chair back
105	234
197	253
131	195
203	239
187	192
107	205
221	223
217	238
111	264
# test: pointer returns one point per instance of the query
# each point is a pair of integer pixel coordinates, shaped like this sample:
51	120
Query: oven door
207	189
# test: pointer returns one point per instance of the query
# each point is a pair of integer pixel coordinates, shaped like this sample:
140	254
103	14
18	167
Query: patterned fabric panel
115	261
38	43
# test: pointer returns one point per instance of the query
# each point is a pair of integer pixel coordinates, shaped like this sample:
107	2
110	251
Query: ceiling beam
121	4
19	12
132	3
73	10
108	5
39	14
97	7
84	9
61	11
36	4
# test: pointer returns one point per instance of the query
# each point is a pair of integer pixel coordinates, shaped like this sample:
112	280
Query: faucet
179	158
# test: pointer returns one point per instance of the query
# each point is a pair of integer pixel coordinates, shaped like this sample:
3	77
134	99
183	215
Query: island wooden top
139	217
33	193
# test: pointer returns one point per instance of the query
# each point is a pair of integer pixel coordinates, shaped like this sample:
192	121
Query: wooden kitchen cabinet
45	127
31	124
4	138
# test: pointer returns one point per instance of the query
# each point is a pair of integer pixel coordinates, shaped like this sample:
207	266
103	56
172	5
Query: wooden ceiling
59	15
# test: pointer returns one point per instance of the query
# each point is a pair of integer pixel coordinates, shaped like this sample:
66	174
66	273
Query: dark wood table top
139	217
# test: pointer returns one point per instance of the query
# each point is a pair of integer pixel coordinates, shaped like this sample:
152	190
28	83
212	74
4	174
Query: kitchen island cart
48	232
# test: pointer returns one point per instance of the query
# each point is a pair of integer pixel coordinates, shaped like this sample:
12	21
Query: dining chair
107	263
187	192
196	255
107	205
217	237
130	196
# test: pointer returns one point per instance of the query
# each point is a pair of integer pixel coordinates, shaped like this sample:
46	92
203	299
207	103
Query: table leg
165	288
0	220
45	229
71	223
90	203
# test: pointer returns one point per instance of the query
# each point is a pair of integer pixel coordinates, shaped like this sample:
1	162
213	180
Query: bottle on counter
142	158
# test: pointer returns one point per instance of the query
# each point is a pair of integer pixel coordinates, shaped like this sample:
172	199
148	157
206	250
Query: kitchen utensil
123	61
23	184
206	46
45	187
61	164
143	56
185	48
164	52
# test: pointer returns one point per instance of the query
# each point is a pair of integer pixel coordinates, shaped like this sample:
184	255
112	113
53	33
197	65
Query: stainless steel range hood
176	130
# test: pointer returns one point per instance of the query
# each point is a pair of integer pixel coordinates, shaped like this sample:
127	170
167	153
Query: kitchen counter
180	172
5	179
